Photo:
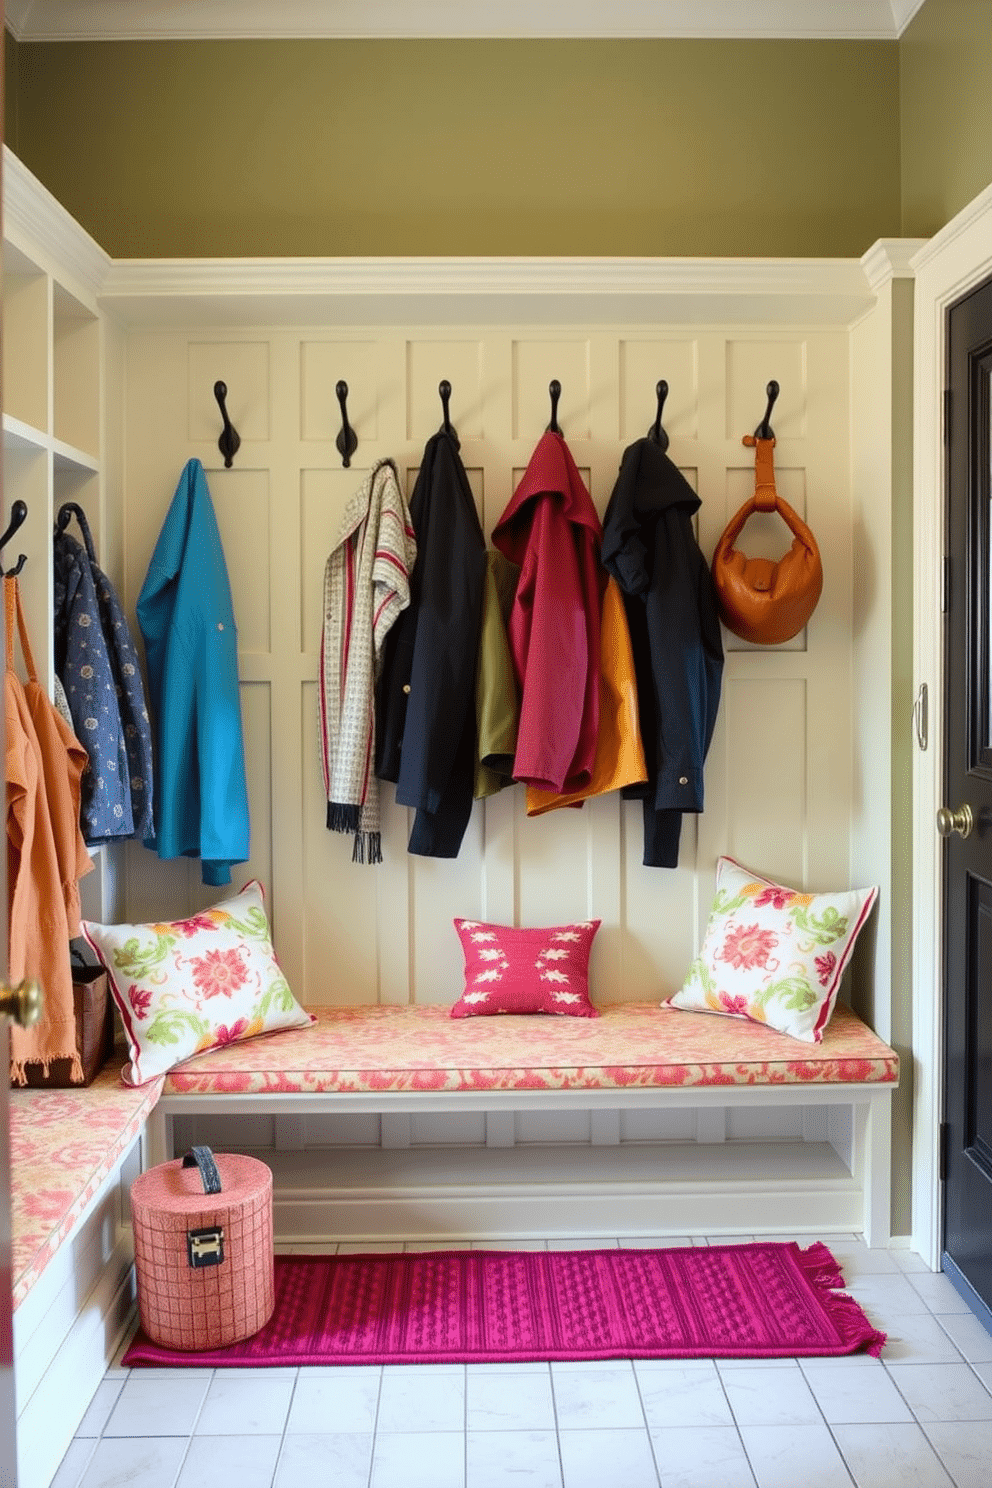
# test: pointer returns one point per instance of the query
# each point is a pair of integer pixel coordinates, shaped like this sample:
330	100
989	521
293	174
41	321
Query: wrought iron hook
230	440
347	440
554	389
764	429
67	511
18	513
656	432
444	392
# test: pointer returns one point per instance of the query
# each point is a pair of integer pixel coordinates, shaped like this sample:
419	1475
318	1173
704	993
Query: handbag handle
203	1158
765	495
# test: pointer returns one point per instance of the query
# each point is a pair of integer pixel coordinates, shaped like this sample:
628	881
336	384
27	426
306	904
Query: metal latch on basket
205	1247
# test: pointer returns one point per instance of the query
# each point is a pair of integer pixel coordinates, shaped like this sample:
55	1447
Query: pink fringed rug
757	1301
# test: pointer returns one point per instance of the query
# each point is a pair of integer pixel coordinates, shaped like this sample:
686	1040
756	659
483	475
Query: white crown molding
151	20
890	258
903	12
34	220
471	291
15	15
978	211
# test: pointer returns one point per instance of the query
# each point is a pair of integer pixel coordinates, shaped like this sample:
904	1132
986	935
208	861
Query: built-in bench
402	1062
75	1153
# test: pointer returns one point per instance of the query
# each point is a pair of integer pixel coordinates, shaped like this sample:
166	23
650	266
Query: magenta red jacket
550	528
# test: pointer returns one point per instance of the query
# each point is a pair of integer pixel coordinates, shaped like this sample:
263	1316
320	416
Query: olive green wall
10	90
945	58
561	147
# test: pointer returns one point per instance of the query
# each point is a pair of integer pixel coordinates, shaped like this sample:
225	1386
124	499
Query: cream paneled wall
778	779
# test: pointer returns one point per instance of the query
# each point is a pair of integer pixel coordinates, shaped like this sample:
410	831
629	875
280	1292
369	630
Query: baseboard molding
471	1217
499	1195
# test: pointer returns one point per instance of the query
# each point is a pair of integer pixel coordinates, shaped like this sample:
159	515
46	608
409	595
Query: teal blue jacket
191	644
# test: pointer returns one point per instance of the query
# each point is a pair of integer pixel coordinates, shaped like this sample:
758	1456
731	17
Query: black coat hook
444	392
347	440
764	429
230	440
67	511
554	389
18	513
656	432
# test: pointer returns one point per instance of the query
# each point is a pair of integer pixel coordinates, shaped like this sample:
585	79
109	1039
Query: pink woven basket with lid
203	1249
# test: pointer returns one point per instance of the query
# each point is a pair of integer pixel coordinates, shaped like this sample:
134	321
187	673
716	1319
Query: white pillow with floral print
774	955
184	986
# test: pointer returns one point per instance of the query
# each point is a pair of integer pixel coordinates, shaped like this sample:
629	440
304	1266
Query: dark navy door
966	817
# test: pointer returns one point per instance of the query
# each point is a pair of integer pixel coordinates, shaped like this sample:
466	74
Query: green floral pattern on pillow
183	986
772	954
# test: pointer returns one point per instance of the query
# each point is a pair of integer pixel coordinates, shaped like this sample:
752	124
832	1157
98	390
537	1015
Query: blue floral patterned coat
97	662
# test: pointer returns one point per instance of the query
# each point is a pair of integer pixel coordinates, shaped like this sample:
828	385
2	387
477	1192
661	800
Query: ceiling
158	20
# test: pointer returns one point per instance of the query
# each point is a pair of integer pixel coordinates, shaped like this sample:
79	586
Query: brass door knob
23	1003
960	821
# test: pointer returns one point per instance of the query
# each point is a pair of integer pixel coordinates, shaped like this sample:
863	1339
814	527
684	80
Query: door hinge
945	583
947	416
943	1148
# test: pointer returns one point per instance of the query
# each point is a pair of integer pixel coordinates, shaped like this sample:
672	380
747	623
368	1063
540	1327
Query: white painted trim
15	18
890	258
144	20
974	215
903	12
955	261
398	291
37	223
862	1195
464	1213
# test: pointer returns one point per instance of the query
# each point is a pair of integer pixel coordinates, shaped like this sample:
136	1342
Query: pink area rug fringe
824	1274
754	1301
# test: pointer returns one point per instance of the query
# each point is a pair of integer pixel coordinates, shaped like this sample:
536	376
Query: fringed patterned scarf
366	587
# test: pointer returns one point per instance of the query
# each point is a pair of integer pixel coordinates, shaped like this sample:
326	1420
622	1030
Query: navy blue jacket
650	549
97	662
425	702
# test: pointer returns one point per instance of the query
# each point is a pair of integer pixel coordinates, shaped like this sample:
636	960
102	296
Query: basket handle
203	1158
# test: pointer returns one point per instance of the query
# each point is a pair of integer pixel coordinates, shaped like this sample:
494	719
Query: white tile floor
921	1417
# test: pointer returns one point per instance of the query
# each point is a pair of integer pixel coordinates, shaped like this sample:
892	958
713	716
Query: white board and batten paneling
778	779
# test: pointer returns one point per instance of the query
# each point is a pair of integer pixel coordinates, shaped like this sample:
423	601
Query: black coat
425	701
650	548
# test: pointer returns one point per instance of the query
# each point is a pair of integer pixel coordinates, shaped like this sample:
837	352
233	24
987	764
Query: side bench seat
64	1145
73	1155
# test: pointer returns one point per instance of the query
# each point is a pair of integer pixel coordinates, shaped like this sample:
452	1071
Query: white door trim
953	262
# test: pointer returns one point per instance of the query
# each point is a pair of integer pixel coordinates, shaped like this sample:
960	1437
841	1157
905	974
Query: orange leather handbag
758	599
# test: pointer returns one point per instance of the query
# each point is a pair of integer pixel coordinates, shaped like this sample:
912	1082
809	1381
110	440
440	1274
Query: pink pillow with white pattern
772	954
508	970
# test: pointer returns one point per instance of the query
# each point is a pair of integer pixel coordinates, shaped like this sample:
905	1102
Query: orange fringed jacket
46	855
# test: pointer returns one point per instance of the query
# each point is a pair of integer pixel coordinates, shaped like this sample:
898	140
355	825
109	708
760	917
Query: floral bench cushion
409	1048
63	1146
